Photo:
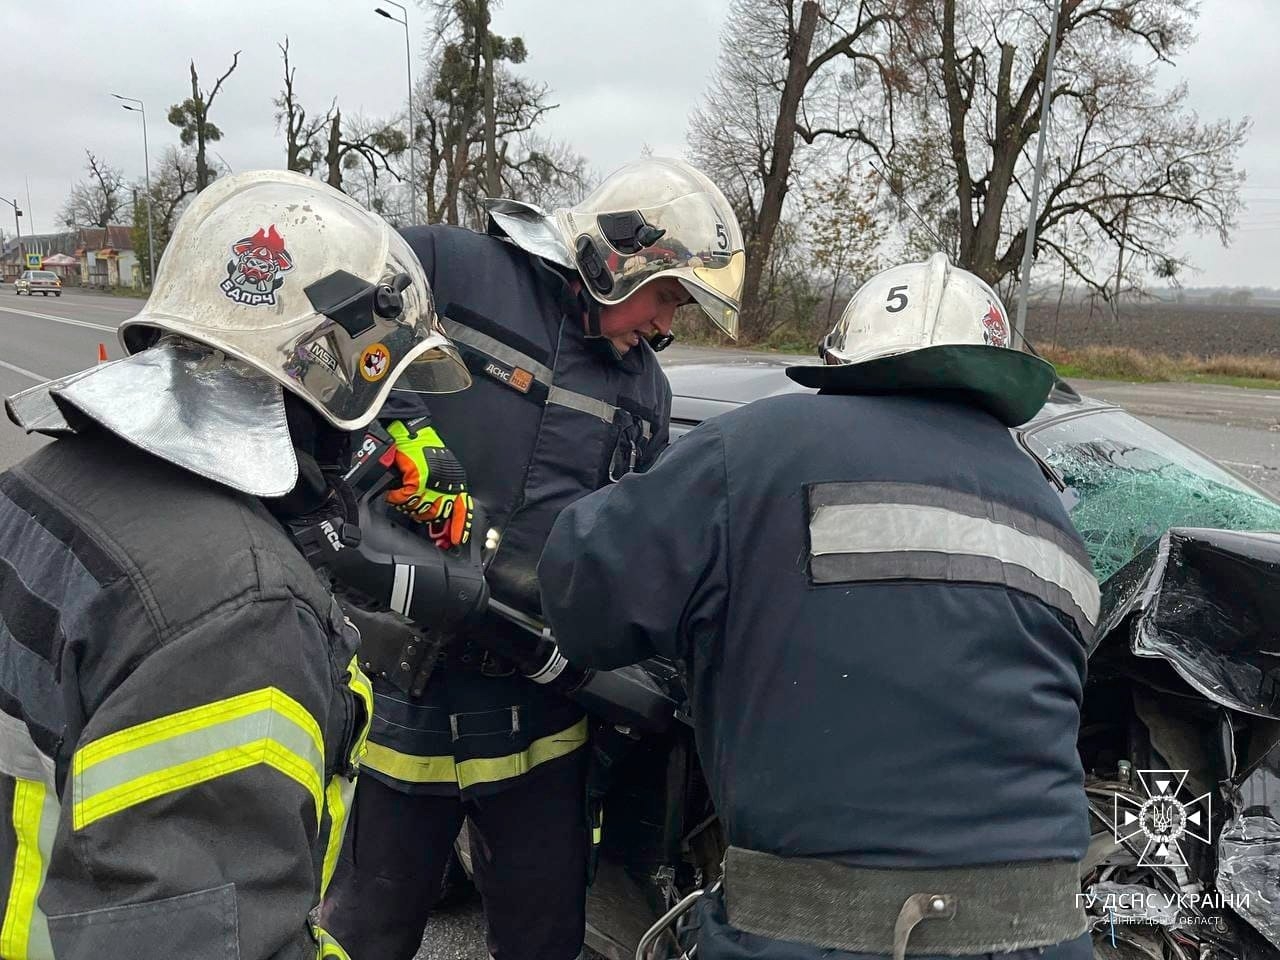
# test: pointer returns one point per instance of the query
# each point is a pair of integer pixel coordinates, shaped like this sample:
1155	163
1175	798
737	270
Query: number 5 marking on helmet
897	301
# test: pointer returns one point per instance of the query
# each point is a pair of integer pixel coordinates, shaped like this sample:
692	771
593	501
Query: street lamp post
408	67
146	159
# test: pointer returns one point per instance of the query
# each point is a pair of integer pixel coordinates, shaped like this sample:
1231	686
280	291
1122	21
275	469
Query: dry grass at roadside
1127	363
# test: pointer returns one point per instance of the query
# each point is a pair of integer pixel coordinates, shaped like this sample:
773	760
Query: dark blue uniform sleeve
422	241
641	568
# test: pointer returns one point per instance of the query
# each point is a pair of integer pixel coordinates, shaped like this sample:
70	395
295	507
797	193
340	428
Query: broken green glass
1127	483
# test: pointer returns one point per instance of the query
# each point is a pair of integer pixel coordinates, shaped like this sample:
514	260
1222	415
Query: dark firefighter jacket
883	611
179	715
551	416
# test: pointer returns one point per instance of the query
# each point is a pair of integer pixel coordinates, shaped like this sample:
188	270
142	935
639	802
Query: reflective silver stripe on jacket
541	372
20	758
582	403
496	349
892	531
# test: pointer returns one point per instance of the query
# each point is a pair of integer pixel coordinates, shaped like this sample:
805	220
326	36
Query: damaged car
1180	732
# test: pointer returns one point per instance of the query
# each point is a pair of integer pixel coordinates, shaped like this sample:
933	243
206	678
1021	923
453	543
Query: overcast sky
624	76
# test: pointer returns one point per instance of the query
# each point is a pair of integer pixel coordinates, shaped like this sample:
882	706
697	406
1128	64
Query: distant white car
43	282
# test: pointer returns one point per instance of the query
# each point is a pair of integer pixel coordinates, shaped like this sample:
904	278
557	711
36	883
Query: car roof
704	387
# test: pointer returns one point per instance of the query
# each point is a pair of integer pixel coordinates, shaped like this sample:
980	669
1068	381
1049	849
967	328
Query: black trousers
529	849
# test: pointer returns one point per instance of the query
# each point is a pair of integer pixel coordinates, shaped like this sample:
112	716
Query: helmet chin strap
590	315
571	295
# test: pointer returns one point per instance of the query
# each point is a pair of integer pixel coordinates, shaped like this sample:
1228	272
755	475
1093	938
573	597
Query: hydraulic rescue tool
395	582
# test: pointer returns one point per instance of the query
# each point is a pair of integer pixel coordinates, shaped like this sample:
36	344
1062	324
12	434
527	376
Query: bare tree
304	139
173	183
842	230
491	49
1129	167
191	117
546	172
96	200
373	145
476	122
792	72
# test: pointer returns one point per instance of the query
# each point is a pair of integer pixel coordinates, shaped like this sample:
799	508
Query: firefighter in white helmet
558	317
181	710
885	609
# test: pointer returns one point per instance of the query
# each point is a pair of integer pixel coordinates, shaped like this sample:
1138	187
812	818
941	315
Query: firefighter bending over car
883	613
558	318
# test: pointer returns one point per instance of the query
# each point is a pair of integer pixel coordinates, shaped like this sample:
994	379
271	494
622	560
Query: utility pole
408	69
1124	232
1020	323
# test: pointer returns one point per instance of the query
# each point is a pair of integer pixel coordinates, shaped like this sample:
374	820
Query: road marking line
115	307
98	308
1240	463
26	373
74	323
97	301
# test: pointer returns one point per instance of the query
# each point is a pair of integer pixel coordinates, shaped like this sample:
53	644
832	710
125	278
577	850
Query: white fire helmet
299	281
931	326
653	218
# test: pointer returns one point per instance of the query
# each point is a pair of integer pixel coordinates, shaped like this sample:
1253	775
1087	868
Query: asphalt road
44	337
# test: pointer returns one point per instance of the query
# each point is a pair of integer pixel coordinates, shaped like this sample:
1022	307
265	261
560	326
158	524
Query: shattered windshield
1127	484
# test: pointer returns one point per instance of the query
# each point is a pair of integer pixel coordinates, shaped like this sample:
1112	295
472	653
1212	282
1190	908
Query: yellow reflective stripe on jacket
263	727
25	931
338	797
362	688
490	770
340	790
407	767
328	948
468	773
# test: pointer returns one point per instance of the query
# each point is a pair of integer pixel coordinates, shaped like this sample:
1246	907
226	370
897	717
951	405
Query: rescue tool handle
402	571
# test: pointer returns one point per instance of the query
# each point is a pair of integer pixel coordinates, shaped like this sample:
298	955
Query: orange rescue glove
434	484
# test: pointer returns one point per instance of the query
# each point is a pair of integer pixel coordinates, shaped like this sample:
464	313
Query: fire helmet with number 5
652	218
930	326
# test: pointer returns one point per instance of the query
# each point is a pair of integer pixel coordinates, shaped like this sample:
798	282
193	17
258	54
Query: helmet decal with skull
995	330
255	268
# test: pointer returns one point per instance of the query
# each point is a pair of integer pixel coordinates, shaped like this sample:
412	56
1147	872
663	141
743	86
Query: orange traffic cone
102	353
